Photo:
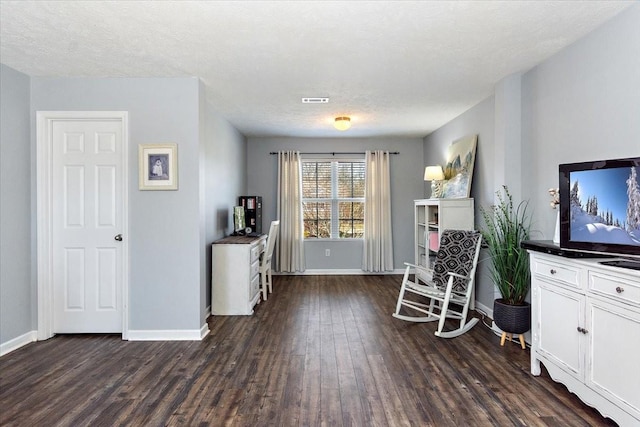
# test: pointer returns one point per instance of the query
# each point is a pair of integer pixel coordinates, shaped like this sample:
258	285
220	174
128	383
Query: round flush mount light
342	123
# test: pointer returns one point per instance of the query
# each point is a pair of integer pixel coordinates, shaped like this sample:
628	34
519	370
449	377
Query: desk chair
449	283
265	260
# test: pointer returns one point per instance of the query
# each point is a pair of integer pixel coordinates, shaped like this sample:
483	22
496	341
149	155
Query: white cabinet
235	278
586	331
558	337
432	216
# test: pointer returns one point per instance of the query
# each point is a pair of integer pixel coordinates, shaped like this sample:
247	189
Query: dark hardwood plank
322	350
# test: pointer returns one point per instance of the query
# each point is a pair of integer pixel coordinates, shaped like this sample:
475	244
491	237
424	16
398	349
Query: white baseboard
488	311
337	272
169	335
204	331
18	342
498	331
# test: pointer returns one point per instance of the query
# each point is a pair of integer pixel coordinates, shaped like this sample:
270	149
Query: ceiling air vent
315	100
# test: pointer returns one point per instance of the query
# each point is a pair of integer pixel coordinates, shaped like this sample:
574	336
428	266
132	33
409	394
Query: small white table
235	278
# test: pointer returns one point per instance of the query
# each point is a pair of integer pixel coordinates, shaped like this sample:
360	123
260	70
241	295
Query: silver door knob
118	237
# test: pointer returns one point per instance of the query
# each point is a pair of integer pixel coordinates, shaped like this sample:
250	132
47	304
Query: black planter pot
514	319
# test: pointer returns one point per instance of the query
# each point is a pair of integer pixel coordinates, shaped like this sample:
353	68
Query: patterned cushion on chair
456	253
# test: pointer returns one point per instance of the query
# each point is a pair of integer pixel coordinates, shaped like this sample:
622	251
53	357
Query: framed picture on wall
158	166
459	169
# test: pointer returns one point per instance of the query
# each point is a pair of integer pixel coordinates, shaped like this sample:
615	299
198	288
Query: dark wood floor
323	350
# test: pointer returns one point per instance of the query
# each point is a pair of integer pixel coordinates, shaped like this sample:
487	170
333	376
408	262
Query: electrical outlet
327	252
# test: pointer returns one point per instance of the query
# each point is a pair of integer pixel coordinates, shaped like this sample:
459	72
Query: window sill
313	239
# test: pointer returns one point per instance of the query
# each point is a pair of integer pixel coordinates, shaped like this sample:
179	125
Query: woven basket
515	319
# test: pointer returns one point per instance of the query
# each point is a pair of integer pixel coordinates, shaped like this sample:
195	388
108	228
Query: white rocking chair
449	283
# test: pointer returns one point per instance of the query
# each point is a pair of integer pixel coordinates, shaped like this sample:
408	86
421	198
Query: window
333	199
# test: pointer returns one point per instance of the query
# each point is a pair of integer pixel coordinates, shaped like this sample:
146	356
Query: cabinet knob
552	271
579	329
619	290
582	330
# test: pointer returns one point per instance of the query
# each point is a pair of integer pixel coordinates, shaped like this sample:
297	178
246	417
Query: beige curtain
291	243
378	241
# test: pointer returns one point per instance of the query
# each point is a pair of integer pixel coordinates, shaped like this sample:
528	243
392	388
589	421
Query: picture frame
458	171
158	166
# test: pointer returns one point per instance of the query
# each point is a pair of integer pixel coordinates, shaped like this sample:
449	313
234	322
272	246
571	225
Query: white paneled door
87	225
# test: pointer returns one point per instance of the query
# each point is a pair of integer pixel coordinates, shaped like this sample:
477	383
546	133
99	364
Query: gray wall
170	232
406	185
15	207
478	120
164	226
225	151
581	104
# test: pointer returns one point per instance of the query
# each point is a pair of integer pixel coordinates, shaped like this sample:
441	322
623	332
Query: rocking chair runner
449	283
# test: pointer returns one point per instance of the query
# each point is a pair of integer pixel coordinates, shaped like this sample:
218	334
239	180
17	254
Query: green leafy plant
506	226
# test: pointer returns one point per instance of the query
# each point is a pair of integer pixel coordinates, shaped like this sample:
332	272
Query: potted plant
506	227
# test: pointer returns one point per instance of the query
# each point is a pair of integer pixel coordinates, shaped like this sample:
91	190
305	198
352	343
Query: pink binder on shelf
434	242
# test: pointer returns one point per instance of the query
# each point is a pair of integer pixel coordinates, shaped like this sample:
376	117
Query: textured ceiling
397	68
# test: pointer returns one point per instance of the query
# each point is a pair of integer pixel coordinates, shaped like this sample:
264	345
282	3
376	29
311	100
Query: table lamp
435	175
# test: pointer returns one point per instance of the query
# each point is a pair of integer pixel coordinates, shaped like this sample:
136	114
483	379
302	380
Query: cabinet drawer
255	252
255	268
560	272
255	286
616	287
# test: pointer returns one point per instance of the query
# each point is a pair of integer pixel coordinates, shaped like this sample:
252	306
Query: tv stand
622	263
548	247
585	329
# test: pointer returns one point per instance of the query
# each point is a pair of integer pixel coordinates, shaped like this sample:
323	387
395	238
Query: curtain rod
336	152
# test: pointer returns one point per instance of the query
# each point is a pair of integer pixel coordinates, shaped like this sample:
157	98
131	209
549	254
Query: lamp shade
433	173
342	123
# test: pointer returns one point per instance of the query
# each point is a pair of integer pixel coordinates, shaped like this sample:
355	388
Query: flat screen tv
600	206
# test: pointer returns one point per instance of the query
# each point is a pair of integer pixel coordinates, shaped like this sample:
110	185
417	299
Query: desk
235	278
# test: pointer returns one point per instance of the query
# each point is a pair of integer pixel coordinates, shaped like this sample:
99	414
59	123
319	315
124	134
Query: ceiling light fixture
316	100
342	123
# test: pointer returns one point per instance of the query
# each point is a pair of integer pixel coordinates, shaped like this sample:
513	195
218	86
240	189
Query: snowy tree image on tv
605	206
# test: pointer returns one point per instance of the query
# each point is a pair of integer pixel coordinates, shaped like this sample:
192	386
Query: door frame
44	201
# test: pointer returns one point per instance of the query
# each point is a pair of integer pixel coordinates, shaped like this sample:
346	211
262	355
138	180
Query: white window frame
334	199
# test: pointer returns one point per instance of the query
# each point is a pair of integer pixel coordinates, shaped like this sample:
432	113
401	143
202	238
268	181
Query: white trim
44	226
498	332
334	240
169	334
44	127
18	342
204	331
488	311
335	272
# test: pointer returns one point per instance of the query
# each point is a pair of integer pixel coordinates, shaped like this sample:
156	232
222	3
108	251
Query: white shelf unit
585	329
432	217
